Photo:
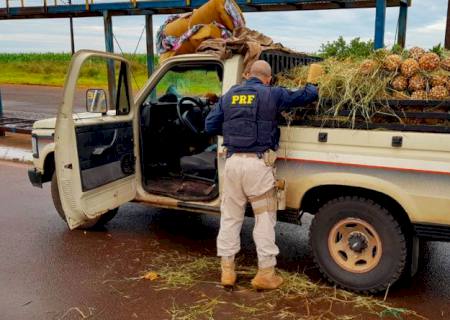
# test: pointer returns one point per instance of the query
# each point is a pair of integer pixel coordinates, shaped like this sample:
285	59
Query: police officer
246	116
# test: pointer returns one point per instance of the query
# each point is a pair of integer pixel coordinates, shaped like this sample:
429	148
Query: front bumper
35	177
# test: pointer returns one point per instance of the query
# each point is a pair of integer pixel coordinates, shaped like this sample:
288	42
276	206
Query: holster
270	157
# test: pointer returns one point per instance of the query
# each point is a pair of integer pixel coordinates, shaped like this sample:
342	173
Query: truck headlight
34	146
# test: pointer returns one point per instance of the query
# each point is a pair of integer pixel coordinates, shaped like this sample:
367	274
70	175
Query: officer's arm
214	120
289	99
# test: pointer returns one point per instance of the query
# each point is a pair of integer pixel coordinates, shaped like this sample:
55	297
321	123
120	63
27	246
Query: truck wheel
104	219
358	245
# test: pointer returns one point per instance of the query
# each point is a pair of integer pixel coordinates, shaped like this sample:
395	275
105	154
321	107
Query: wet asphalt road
49	272
36	102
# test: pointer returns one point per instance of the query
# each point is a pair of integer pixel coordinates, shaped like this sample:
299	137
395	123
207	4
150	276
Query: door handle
99	150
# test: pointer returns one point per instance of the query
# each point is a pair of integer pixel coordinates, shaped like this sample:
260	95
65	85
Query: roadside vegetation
341	49
51	68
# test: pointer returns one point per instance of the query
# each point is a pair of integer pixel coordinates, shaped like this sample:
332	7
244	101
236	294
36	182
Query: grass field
51	68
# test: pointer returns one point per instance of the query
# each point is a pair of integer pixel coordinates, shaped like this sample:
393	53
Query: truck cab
373	199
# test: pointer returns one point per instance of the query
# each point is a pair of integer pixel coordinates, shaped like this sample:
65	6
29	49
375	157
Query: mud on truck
374	194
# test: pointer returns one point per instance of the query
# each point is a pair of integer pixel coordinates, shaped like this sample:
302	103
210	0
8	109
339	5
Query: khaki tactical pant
248	179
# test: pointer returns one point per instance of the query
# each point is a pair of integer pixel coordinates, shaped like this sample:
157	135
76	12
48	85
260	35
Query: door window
99	92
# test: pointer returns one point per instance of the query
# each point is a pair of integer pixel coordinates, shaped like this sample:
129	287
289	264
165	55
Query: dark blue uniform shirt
284	100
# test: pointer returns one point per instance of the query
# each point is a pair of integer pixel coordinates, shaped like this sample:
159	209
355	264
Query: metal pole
72	40
380	20
109	46
2	131
447	32
1	104
149	38
402	22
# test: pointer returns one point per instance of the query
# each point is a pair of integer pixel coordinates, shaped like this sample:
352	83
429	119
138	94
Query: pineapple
419	95
429	61
438	93
445	64
448	86
399	83
409	67
392	62
439	80
416	83
416	53
367	67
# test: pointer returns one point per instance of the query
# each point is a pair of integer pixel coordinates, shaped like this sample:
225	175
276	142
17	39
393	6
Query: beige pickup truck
373	193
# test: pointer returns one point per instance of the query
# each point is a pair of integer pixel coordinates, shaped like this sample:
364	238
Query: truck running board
433	232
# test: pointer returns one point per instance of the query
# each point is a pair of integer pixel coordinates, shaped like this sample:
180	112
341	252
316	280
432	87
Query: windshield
187	81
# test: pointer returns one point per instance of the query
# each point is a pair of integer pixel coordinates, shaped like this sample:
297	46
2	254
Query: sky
300	30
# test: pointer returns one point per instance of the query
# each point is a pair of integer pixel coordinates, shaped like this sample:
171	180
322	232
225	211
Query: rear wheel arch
318	196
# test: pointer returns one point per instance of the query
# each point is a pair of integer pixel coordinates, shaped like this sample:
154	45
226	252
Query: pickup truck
373	193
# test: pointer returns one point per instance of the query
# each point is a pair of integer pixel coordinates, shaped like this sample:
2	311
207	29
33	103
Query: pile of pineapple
417	74
363	86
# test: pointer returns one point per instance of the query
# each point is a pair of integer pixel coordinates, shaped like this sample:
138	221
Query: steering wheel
192	115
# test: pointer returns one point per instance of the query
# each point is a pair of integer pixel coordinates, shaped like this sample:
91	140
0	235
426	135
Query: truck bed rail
399	115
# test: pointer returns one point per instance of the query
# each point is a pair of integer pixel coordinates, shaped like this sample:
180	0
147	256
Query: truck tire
104	219
358	245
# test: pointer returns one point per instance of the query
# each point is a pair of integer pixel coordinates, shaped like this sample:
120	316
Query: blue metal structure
1	104
402	22
149	37
109	46
149	8
380	22
177	6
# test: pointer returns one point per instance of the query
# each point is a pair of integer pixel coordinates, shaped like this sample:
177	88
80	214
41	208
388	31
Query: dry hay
346	86
318	301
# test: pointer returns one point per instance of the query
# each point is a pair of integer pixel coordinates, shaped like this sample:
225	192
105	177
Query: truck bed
398	115
412	167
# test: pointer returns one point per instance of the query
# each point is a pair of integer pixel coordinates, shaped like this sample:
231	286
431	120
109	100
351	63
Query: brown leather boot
267	279
228	278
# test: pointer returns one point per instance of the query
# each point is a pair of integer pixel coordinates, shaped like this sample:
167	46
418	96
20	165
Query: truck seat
202	164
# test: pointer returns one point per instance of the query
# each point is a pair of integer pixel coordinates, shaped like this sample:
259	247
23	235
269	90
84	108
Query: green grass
51	69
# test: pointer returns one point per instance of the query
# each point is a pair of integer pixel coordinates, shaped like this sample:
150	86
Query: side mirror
96	101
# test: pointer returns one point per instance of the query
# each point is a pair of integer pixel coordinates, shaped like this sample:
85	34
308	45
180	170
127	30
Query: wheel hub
355	245
357	242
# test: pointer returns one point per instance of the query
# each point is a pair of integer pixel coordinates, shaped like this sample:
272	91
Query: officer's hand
212	98
314	73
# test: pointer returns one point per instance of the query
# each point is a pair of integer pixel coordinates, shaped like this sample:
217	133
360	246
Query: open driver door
95	151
